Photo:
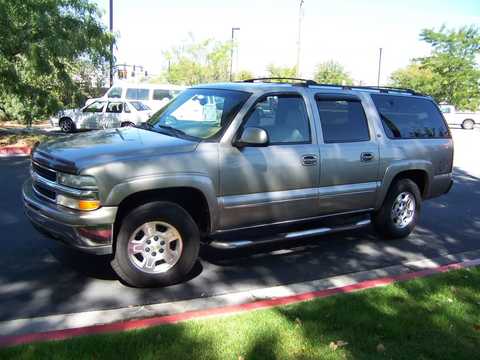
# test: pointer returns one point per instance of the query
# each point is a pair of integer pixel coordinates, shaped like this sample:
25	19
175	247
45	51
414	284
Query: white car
154	95
466	119
102	114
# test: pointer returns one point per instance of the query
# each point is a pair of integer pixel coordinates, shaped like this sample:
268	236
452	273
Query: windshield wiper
173	130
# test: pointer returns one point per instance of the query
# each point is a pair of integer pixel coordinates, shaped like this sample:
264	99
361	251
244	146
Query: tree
281	72
43	42
331	72
243	75
198	62
416	77
450	74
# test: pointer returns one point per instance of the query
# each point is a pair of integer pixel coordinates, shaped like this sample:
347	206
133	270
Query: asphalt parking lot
39	277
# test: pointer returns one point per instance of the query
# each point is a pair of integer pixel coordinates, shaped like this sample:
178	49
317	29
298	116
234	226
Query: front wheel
468	124
157	245
127	124
400	211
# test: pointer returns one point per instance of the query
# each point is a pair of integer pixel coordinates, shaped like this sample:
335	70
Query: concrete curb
58	327
15	151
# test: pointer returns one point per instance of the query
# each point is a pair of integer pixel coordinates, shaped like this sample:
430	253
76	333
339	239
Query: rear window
410	117
137	94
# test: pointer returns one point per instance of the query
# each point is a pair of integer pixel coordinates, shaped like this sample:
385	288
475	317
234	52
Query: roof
280	84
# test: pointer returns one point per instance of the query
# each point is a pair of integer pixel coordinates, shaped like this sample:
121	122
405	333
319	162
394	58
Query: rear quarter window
405	117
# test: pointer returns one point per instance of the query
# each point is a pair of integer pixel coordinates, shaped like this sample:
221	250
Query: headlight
77	181
78	204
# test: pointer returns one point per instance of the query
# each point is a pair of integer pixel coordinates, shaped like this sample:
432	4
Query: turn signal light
88	205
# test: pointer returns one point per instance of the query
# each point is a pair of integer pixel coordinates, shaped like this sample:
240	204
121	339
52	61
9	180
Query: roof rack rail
307	82
299	81
382	89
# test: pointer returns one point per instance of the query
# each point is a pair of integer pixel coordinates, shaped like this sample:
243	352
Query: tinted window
114	107
159	94
115	92
137	94
283	117
410	117
342	120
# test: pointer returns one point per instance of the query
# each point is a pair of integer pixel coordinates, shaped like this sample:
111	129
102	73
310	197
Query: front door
274	183
349	153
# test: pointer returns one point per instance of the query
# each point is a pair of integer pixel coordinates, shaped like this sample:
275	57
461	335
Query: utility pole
379	67
111	45
300	16
231	52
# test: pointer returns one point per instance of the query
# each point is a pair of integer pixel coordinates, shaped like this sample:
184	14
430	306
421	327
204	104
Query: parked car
273	162
154	95
102	114
465	119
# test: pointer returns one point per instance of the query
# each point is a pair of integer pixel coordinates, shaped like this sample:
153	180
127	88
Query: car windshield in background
139	106
199	113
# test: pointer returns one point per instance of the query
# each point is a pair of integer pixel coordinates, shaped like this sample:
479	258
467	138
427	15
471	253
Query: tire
127	123
67	125
390	221
468	124
165	216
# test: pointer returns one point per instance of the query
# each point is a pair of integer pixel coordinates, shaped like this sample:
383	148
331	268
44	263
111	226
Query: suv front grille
44	172
46	193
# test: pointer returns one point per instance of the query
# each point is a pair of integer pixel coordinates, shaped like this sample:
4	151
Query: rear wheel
400	211
468	124
157	245
67	125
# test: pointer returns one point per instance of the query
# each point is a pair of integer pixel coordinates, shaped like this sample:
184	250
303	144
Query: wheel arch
421	173
197	198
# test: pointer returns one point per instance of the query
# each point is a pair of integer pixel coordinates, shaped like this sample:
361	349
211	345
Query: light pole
379	67
111	45
300	16
231	52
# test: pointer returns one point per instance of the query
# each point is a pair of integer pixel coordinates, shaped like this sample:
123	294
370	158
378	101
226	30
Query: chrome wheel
155	247
403	210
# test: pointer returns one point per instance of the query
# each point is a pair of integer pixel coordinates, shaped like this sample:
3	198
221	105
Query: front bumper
73	228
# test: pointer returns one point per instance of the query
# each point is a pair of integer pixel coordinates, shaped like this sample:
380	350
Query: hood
73	153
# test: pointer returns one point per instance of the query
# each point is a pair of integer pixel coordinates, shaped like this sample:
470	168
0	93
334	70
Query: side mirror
252	136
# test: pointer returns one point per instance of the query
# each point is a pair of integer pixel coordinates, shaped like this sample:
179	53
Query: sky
348	31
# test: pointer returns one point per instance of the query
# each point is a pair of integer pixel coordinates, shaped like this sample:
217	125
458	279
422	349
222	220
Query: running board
238	244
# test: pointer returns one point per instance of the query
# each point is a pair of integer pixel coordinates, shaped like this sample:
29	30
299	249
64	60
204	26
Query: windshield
139	106
200	113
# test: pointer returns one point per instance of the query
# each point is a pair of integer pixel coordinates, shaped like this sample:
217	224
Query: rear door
349	155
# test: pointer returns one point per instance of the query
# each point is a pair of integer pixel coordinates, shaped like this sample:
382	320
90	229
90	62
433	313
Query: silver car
240	164
102	114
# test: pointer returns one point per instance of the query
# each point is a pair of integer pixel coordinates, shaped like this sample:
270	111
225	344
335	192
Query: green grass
436	317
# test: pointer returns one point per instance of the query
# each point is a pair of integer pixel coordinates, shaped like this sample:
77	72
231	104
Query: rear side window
343	120
410	117
137	94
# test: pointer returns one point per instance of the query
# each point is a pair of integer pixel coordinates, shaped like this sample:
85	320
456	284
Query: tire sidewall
383	220
157	211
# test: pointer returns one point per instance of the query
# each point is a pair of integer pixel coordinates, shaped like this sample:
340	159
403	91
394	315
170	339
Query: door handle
366	156
309	160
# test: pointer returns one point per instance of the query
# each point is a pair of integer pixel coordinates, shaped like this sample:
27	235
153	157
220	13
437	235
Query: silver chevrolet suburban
239	164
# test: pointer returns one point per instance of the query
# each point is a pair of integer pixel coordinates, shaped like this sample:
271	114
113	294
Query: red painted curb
233	309
15	150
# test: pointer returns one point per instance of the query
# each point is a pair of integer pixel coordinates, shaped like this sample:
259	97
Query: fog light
100	234
78	204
